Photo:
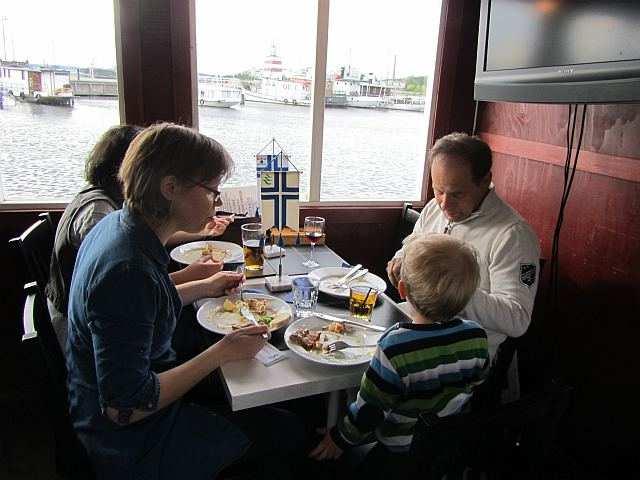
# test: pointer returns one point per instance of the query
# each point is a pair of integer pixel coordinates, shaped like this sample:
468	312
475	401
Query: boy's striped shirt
416	368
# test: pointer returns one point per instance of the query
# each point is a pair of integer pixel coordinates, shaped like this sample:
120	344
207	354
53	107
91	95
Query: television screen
557	51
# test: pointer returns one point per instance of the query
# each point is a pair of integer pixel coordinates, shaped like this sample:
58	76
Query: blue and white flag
280	198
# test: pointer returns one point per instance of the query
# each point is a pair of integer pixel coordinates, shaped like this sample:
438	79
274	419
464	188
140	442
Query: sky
236	36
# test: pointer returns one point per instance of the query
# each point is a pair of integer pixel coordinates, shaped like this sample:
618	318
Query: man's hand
217	226
326	449
393	270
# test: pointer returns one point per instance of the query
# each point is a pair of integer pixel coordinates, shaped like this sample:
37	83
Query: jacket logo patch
527	274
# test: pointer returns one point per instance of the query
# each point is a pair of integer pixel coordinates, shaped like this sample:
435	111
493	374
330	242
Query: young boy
429	365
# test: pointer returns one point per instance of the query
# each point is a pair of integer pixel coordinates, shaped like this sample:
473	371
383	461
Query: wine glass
313	230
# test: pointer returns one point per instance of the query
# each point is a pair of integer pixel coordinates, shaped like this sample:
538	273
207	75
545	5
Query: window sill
15	206
24	206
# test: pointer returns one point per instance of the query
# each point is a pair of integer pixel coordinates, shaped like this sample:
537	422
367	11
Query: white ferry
411	103
361	90
218	92
274	86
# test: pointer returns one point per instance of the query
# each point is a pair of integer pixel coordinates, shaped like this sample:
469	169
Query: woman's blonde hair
167	149
440	273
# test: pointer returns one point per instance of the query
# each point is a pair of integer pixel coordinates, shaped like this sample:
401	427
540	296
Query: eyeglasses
216	193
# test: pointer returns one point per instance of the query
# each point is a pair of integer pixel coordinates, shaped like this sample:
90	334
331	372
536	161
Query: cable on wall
569	174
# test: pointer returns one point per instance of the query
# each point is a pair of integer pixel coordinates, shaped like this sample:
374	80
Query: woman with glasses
125	386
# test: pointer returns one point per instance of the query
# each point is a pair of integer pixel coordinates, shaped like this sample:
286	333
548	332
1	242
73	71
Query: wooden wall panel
594	330
363	235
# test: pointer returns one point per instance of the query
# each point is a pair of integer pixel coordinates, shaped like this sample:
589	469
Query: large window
59	94
259	64
255	83
380	64
255	80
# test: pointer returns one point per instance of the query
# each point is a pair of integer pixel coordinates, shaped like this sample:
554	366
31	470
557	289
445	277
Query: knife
331	318
248	314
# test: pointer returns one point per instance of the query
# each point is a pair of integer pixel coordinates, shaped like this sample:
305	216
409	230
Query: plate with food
309	338
328	276
226	252
222	315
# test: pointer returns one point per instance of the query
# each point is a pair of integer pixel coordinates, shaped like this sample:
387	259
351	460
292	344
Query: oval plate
190	252
344	358
212	319
328	275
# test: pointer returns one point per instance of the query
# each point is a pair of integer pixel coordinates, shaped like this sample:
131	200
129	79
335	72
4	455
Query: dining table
249	383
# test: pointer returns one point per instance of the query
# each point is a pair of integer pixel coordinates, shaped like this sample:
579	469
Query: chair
521	432
71	458
36	247
492	434
407	222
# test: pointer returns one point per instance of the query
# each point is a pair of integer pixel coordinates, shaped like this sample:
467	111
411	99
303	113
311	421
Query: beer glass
362	299
313	230
253	245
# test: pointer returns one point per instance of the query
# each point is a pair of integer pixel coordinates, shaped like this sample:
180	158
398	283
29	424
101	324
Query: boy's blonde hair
440	273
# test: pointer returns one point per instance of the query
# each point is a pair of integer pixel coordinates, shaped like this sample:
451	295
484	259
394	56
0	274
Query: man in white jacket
467	207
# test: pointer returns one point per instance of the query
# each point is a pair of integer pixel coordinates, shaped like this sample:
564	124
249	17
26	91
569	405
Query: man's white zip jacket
508	254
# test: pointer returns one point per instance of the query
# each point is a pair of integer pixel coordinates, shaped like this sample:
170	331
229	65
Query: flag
280	198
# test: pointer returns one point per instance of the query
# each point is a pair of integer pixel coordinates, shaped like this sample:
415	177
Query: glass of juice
362	299
313	230
253	245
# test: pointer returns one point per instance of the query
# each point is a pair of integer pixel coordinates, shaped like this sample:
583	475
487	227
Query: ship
275	86
218	92
36	84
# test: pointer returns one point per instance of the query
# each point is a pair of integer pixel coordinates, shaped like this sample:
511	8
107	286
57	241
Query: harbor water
368	154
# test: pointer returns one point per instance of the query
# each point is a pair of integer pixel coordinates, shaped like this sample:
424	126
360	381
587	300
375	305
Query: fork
340	345
240	269
352	271
350	277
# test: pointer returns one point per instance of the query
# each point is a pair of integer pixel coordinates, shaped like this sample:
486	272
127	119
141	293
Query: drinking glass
305	294
313	230
362	299
252	246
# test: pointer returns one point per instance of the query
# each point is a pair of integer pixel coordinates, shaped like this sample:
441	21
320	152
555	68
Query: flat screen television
555	51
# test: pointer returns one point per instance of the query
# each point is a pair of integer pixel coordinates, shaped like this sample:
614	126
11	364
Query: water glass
305	294
253	246
362	299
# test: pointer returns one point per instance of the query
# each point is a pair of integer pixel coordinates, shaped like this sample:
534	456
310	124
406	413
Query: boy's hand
326	449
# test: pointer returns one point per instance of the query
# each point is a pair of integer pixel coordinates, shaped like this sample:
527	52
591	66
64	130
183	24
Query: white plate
346	357
328	275
211	317
190	252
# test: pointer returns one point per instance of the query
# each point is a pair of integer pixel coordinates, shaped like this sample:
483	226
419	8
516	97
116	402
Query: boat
411	103
274	86
218	92
36	84
360	90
